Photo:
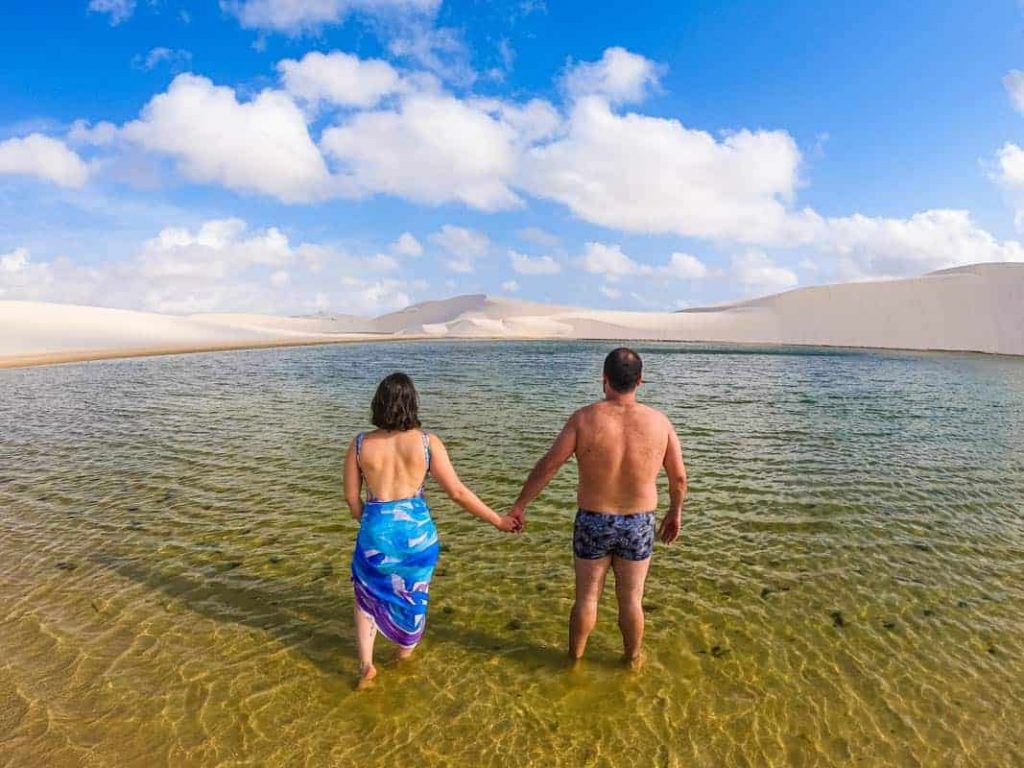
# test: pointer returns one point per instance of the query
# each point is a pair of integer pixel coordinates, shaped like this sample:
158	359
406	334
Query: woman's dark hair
396	406
623	368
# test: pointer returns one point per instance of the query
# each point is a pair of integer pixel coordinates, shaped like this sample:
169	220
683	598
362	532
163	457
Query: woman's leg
405	653
365	634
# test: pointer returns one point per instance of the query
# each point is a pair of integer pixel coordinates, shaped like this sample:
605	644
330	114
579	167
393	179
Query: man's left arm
676	471
545	469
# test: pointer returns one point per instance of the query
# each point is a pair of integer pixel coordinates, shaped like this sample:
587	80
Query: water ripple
848	588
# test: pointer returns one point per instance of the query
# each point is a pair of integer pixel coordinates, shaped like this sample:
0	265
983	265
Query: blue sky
295	156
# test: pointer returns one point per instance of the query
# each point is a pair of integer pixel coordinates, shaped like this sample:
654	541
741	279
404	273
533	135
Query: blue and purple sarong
396	551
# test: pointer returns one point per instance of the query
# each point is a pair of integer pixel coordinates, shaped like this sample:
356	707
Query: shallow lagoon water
848	588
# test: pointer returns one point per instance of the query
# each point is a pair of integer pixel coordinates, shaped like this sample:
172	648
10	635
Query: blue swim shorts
598	535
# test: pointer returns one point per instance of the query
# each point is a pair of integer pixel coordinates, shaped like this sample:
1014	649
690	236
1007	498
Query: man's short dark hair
396	406
623	367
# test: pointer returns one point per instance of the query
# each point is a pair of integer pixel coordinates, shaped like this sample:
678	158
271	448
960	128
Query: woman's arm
441	469
353	483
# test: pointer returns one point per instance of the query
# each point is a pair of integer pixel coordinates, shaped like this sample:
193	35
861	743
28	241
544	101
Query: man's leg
630	576
590	576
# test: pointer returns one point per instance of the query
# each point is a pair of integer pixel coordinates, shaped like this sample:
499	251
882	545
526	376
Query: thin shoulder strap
359	449
426	455
370	496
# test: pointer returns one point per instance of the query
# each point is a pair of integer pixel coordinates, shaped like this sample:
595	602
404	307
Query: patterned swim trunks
598	535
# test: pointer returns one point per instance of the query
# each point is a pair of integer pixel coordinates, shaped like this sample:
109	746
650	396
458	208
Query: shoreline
977	309
94	355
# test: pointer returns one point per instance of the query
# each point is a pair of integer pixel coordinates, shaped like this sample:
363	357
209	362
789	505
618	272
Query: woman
397	547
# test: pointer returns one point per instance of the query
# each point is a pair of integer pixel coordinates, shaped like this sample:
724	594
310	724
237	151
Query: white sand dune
470	311
38	332
975	308
316	324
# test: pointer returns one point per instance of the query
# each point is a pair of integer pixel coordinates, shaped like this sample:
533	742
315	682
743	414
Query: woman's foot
367	672
404	654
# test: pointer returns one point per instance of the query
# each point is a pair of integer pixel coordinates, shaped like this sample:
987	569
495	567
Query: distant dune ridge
975	308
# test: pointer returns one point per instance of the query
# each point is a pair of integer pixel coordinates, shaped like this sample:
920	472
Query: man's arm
545	469
676	471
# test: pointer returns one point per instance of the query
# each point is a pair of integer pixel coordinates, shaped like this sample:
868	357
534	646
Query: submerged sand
978	308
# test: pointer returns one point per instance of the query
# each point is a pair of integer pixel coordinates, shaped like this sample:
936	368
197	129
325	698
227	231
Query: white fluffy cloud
119	10
539	236
1011	165
1010	175
401	134
464	246
619	76
101	134
407	245
756	272
25	278
214	251
1013	82
221	265
339	78
262	145
628	172
683	266
645	174
461	241
15	261
43	157
530	122
1009	169
439	50
533	265
433	148
297	16
610	261
360	296
510	286
177	59
883	247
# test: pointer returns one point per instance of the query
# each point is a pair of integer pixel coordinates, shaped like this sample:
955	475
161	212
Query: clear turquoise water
848	588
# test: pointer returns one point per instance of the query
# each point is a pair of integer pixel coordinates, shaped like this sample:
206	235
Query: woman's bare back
394	464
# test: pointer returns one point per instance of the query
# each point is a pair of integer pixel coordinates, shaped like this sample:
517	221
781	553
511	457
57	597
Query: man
620	446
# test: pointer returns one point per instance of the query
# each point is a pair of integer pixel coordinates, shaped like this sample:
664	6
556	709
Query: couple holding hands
620	447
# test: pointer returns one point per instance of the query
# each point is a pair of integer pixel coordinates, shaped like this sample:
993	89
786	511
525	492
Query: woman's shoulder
361	437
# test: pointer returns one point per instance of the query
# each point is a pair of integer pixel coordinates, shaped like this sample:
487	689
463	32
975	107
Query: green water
848	588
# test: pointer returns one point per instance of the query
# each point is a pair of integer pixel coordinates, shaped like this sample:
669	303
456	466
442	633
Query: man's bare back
620	446
620	449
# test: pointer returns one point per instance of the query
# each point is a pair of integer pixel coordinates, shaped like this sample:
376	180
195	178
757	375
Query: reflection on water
848	589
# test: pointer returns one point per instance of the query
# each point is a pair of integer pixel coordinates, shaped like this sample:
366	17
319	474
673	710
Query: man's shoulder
587	411
652	412
655	417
